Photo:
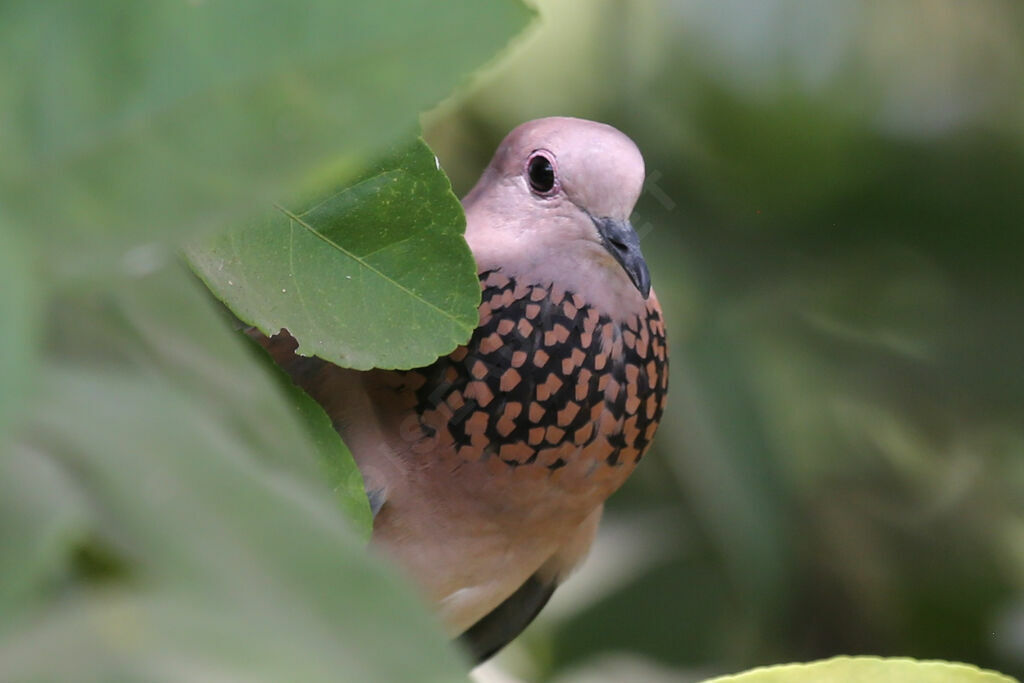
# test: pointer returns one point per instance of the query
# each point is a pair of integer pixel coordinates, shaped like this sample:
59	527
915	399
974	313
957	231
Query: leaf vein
367	266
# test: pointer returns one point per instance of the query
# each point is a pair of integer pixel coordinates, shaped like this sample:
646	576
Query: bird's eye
541	173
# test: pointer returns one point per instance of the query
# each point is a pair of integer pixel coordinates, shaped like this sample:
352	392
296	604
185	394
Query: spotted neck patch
546	379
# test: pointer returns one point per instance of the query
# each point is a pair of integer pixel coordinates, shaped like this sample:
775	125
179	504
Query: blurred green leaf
223	552
42	515
163	325
178	522
163	635
124	122
372	274
18	322
867	670
342	474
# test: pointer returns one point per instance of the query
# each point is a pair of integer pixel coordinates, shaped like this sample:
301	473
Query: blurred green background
834	220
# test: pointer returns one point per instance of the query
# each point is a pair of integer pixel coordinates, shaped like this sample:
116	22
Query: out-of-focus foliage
834	220
19	316
374	273
123	119
343	476
164	514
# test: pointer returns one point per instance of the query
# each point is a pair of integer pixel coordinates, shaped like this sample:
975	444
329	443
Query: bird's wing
506	621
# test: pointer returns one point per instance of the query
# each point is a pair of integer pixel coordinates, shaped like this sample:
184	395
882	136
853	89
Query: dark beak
620	240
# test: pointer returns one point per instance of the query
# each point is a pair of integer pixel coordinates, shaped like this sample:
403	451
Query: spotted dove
487	471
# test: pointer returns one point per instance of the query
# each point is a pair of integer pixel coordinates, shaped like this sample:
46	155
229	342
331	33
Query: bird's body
489	468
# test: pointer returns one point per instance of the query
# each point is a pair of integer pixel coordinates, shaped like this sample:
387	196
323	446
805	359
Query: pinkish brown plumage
489	468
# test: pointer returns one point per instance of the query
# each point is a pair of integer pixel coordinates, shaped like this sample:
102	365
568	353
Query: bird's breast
548	389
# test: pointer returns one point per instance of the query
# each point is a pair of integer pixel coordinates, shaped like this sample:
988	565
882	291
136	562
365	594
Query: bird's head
565	186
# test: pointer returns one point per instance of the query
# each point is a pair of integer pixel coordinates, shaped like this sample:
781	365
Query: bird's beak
620	239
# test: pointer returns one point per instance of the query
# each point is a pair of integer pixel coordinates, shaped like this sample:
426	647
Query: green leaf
164	324
43	515
127	122
18	323
867	670
375	273
179	525
342	474
234	566
166	635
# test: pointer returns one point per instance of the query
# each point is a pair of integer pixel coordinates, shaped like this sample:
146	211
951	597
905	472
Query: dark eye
541	173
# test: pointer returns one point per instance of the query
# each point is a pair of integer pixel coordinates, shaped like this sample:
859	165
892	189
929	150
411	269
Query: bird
487	471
